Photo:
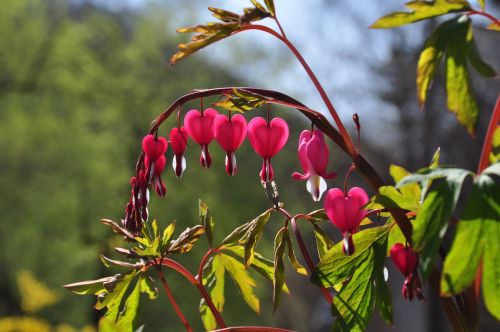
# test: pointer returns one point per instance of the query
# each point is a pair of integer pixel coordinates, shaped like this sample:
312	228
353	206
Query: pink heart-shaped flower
405	258
230	134
267	140
346	212
178	139
154	148
200	126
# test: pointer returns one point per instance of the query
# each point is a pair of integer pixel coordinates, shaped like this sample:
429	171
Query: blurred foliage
34	294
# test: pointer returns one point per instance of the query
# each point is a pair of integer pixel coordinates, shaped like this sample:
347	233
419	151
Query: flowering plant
413	214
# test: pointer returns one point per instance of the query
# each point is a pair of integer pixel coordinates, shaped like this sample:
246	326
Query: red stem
488	140
485	14
172	299
305	253
203	262
184	272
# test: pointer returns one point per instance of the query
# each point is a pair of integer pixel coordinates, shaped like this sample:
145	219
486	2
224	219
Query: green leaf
426	174
216	289
108	262
167	234
263	266
495	148
475	58
383	299
421	10
390	197
152	249
258	5
207	221
270	6
395	235
291	255
147	287
317	215
254	233
279	266
335	267
435	159
433	218
237	233
242	279
494	26
117	228
354	304
241	101
185	242
323	241
154	226
89	287
127	315
115	291
461	100
481	3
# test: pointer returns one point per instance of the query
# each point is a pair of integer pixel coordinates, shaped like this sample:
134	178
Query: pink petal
178	139
266	140
199	127
230	134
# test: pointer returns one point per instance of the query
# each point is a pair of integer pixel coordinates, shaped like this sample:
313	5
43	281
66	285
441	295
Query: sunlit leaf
186	240
433	218
263	266
291	255
421	10
126	317
152	249
89	287
243	281
390	197
494	26
237	234
481	3
167	234
323	241
335	267
279	266
254	234
241	101
270	6
494	156
216	282
115	291
108	262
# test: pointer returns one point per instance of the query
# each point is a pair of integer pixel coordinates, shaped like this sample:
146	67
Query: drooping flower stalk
313	157
230	134
267	139
199	126
345	211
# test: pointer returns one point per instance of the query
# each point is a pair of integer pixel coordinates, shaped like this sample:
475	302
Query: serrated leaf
421	10
355	302
237	233
147	287
89	287
185	242
216	281
263	266
433	218
240	101
152	249
115	291
117	228
291	255
390	197
323	241
126	318
335	267
460	96
242	279
167	234
224	15
207	221
254	233
108	262
279	266
410	190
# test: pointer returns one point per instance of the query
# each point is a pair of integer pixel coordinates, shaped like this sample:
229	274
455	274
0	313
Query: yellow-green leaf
243	281
254	233
279	267
494	26
421	10
291	256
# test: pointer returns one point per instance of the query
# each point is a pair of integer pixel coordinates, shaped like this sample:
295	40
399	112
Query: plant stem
305	253
172	299
485	14
184	272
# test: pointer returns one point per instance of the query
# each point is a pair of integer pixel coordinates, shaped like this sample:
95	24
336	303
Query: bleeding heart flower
406	260
137	207
313	156
154	147
154	169
178	140
346	212
230	134
200	127
267	139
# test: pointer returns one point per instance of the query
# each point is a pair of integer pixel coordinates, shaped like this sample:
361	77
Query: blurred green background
80	83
